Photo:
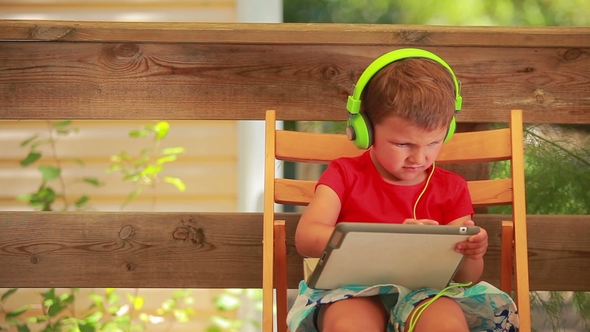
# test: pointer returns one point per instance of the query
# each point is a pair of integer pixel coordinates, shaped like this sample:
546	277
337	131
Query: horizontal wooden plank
483	192
294	33
96	70
138	250
464	147
214	250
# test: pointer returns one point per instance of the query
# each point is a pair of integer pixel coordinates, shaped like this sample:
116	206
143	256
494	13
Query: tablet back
367	254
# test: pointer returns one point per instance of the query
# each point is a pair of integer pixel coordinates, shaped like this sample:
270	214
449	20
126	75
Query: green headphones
358	127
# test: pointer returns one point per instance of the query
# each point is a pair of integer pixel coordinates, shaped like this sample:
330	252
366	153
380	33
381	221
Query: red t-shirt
366	197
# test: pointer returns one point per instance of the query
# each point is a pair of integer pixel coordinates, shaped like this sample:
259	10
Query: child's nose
417	157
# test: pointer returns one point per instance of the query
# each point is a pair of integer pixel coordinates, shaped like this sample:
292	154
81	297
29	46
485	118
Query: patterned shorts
486	307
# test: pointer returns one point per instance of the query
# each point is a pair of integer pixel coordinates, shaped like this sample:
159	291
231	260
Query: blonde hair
419	90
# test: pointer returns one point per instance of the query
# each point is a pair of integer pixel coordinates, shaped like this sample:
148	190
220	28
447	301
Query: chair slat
483	192
490	192
483	146
313	147
295	192
477	146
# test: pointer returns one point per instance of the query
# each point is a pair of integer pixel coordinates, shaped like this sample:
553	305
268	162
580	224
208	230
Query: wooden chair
469	147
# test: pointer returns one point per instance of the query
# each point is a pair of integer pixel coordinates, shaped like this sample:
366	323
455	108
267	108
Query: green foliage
557	172
179	306
229	301
51	174
459	12
145	169
106	313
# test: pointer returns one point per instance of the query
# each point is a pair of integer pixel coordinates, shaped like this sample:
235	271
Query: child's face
403	152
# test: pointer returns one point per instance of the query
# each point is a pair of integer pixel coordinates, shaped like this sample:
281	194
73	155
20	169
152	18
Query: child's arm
474	248
317	222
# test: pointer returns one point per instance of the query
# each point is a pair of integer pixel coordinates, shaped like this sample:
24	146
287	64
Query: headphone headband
353	104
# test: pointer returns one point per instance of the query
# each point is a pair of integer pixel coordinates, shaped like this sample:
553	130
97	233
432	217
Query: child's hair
419	90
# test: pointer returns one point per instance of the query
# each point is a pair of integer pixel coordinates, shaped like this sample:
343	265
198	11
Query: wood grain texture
133	249
93	70
225	250
294	33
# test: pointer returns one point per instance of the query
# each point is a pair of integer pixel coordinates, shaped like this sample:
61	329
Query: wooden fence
109	71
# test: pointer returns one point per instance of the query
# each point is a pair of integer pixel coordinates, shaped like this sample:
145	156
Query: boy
408	99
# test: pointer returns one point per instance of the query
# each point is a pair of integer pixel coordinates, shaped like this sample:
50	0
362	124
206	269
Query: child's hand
476	245
420	222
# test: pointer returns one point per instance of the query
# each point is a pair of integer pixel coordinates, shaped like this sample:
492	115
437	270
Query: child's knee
443	315
356	314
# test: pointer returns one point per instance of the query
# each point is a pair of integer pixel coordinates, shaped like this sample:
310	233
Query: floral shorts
486	307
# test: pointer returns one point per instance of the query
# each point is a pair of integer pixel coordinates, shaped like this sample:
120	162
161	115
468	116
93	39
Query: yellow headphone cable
423	190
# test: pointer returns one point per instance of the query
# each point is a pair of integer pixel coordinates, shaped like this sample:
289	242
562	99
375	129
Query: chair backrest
469	147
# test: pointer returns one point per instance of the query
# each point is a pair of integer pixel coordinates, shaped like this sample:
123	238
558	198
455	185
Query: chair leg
280	247
507	263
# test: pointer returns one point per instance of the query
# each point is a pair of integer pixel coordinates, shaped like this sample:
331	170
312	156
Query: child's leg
365	314
442	315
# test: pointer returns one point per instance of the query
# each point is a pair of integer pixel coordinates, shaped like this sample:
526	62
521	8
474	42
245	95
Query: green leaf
93	317
63	131
169	305
124	155
49	172
151	170
227	302
166	159
17	312
61	124
181	315
97	301
87	328
175	150
114	168
55	309
141	161
133	177
92	181
24	197
221	322
139	133
49	295
67	298
82	200
29	140
22	328
131	197
145	151
8	293
137	301
161	129
44	197
177	182
31	158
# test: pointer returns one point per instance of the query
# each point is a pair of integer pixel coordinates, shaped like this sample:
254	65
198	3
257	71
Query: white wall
251	133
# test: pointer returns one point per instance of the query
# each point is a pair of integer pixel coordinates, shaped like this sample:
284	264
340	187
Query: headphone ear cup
360	131
451	129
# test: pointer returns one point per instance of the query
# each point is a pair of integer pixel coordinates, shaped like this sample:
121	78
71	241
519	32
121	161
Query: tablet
368	254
